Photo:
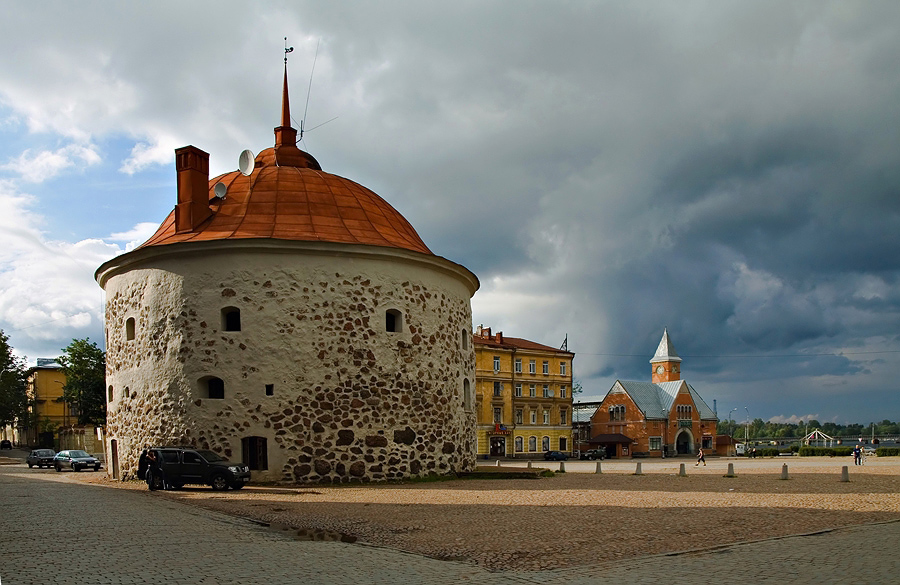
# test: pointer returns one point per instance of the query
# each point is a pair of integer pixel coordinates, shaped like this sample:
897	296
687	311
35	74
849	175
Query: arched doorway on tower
684	442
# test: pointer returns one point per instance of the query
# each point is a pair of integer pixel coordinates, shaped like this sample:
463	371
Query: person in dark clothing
857	455
700	458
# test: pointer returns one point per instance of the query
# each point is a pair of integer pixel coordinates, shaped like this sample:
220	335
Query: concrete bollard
529	465
845	474
730	471
598	470
498	463
681	472
562	466
784	472
637	470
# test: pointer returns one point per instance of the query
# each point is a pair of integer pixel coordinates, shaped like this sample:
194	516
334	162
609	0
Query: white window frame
518	389
496	363
658	441
562	416
532	390
562	368
498	389
545	367
498	415
518	365
532	367
562	390
547	393
519	443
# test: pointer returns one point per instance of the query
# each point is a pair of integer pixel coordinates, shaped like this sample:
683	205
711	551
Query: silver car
41	457
76	460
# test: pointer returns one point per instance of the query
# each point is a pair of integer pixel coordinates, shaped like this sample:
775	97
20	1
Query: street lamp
747	431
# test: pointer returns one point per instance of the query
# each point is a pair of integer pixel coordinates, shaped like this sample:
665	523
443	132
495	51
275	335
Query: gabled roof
655	400
503	342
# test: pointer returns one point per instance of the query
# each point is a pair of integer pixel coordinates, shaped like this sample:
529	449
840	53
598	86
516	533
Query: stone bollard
845	474
730	471
498	463
681	472
598	470
529	465
562	466
637	470
784	472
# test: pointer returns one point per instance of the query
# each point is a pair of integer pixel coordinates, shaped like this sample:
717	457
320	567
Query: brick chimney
192	168
499	337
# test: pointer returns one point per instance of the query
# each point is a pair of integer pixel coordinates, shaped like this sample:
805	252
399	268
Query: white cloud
36	167
794	418
136	235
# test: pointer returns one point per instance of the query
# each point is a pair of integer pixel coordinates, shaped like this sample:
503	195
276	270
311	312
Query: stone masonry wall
350	400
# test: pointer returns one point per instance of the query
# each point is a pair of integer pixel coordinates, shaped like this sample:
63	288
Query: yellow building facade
44	387
523	396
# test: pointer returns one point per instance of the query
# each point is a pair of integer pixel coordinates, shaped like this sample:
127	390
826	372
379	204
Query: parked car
555	456
178	466
593	454
40	457
75	459
5	444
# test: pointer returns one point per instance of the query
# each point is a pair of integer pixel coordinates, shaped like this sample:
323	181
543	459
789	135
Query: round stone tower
293	320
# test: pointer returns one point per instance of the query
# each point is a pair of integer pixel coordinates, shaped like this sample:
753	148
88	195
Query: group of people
151	470
859	455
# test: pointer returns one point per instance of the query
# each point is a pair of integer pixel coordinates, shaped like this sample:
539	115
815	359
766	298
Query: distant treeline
759	428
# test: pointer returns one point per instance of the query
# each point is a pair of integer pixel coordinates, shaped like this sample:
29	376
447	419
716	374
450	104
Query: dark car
555	456
592	454
177	466
5	444
75	459
40	457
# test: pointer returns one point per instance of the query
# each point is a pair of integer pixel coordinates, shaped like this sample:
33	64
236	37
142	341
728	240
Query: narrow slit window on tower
231	319
393	321
109	394
270	389
129	329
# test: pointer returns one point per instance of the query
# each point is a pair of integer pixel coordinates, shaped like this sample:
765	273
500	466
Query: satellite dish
220	189
245	163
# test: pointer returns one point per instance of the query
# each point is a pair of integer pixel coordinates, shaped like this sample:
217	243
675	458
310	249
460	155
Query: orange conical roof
287	196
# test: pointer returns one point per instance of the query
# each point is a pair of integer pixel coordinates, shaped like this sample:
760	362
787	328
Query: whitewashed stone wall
351	401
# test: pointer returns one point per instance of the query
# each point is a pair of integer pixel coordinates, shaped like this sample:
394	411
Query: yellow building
523	393
44	386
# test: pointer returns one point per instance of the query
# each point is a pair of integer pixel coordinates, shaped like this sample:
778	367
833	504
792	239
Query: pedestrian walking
857	455
700	458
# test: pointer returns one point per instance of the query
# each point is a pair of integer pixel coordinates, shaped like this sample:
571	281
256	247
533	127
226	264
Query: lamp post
747	431
730	421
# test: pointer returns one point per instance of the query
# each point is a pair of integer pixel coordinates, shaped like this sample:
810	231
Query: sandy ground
574	518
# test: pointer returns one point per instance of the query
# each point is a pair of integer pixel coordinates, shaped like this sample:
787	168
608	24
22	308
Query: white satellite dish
220	189
245	163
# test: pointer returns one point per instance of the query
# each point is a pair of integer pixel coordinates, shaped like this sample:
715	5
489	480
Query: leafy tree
84	365
13	401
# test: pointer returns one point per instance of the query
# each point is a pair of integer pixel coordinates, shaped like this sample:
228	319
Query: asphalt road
56	530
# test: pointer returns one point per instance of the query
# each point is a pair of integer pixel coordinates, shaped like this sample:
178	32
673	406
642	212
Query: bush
767	453
807	451
887	451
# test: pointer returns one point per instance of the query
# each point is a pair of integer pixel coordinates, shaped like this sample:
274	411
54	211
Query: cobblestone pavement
55	530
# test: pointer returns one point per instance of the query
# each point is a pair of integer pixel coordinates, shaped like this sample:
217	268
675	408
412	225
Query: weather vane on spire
287	50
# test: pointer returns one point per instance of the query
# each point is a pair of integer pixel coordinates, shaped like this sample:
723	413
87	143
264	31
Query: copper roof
287	196
293	203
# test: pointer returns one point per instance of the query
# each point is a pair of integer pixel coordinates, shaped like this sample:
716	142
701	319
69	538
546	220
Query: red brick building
660	418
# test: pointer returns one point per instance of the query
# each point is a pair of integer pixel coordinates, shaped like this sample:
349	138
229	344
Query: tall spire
285	101
666	351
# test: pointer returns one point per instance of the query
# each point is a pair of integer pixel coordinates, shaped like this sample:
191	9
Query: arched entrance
498	446
684	442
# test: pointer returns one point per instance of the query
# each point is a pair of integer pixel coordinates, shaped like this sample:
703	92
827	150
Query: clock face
660	369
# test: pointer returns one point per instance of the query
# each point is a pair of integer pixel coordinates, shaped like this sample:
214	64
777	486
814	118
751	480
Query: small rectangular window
498	415
532	367
547	393
562	416
562	391
518	365
532	390
545	367
655	443
270	389
498	389
496	363
562	368
518	390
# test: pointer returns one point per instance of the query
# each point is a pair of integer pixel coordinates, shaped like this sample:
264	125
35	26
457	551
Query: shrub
807	451
767	452
887	451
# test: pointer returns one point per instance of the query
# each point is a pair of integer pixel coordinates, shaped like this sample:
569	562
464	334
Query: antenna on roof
308	92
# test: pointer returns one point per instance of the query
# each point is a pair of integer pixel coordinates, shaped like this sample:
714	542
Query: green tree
84	365
13	401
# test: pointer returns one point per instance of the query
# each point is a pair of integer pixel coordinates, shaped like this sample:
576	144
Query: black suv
176	466
592	454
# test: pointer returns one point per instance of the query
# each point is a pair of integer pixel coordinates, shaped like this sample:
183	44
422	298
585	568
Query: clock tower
666	365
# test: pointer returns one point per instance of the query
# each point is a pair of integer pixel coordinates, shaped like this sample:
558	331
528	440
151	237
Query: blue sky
728	170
